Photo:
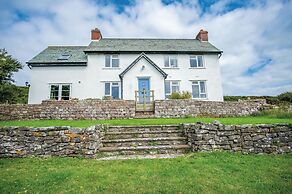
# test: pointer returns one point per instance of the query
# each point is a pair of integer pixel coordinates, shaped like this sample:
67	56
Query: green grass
161	121
217	172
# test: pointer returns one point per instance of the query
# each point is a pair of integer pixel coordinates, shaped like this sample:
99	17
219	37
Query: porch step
145	141
144	114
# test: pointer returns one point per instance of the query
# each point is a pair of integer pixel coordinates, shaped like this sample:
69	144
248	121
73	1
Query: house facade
127	69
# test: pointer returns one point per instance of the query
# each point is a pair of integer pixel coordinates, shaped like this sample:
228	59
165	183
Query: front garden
216	172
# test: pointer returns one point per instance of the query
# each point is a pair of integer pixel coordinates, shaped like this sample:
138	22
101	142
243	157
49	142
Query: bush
107	98
183	95
287	96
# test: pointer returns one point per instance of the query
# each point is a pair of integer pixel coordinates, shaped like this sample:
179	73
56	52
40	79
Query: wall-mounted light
143	67
27	84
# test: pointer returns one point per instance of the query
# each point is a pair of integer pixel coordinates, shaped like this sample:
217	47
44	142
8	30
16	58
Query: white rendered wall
93	76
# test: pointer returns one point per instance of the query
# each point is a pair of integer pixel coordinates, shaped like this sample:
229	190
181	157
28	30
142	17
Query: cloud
249	34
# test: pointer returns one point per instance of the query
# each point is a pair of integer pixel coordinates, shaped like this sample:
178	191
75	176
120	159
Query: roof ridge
129	38
55	46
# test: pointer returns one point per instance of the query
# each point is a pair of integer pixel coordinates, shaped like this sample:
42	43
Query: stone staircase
167	140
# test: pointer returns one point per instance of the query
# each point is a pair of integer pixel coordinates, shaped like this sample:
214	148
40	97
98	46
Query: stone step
143	134
144	150
135	157
142	128
144	141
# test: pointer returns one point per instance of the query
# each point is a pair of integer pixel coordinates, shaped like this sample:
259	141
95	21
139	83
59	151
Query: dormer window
112	61
64	56
170	62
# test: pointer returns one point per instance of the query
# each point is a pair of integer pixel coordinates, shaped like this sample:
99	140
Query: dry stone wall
49	141
86	142
182	108
69	109
276	138
111	109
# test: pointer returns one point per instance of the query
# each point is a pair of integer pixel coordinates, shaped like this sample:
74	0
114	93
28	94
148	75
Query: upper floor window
170	61
196	61
112	61
170	87
199	89
60	91
112	89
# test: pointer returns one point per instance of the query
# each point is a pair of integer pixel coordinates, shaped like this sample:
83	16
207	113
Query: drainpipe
122	87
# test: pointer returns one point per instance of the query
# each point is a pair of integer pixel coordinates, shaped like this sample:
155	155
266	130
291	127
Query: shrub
186	95
287	96
107	98
182	95
174	95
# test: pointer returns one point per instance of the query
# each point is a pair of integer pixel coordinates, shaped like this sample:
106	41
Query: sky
255	35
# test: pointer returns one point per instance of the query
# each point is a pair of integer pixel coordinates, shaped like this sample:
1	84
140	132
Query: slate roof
142	55
150	45
51	54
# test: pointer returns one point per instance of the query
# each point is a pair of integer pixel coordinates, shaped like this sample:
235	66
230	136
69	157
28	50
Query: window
60	91
170	87
170	61
112	89
199	89
196	61
111	61
64	56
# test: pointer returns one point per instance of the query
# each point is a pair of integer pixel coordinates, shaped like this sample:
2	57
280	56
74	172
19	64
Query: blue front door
144	89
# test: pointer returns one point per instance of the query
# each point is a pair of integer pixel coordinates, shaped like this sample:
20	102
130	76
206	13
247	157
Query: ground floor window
170	87
199	89
60	91
112	89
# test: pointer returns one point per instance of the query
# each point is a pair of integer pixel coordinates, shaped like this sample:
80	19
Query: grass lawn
160	121
217	172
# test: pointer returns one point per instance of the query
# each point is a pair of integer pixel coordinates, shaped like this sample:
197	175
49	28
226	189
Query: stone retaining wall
182	108
70	141
262	138
49	141
69	109
110	109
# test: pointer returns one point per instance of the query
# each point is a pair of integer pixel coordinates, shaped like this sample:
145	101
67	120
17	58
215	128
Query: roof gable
143	55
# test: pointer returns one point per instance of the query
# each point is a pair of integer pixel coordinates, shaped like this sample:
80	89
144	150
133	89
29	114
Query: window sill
200	98
170	67
197	67
111	68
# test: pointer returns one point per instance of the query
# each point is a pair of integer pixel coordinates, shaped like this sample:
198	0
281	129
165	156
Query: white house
118	67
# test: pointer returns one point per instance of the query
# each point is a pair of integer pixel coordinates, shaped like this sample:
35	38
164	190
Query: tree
8	65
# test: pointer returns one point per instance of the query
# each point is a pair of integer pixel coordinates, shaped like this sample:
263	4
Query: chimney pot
202	35
96	34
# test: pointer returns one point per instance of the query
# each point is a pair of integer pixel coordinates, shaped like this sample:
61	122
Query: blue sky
256	36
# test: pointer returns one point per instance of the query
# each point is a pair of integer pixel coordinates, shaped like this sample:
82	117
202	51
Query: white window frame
111	85
169	58
200	93
112	57
196	56
170	85
60	90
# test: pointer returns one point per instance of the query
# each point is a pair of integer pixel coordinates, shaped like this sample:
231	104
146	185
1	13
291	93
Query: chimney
96	34
202	35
